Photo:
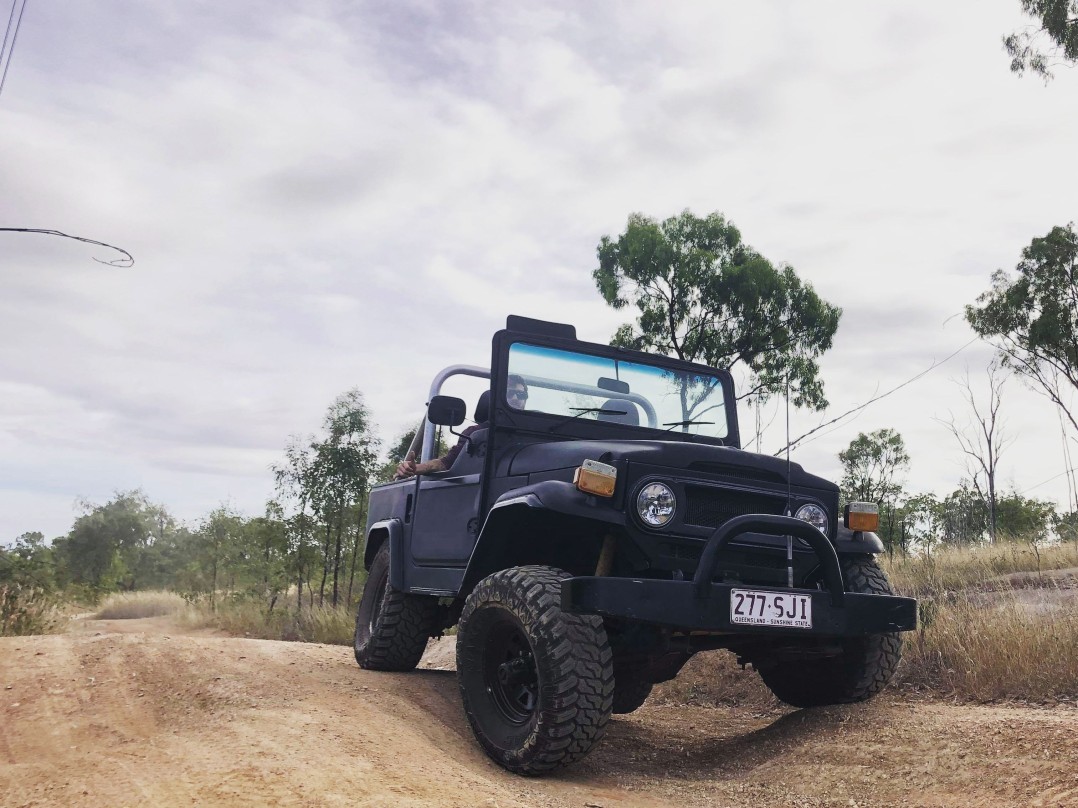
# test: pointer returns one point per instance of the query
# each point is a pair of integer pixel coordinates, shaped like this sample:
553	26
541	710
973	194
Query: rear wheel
862	669
537	683
392	628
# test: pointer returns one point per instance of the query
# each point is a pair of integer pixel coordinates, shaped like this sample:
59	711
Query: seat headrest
482	408
627	413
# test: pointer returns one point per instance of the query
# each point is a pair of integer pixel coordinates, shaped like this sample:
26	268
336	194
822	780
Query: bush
135	605
27	610
246	617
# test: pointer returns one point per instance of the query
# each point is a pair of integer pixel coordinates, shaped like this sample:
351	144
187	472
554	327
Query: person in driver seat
516	394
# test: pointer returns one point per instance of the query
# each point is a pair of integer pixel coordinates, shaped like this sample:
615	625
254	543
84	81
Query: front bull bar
703	605
773	526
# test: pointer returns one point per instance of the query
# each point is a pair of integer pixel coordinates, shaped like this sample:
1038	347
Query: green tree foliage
963	517
1032	320
28	563
1023	518
327	478
917	523
870	468
871	465
107	546
1058	24
705	296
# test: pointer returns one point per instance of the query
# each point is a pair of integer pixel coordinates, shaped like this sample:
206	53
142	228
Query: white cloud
334	197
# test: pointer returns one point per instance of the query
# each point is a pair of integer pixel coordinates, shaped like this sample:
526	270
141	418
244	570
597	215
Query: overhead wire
5	50
803	439
127	261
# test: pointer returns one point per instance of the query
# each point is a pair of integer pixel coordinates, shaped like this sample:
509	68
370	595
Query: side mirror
446	411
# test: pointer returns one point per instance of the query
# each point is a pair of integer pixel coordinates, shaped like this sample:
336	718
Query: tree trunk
360	520
325	563
337	554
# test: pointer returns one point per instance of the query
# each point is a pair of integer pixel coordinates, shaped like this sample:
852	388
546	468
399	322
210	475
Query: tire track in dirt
132	718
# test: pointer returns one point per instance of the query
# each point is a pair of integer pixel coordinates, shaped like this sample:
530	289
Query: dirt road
139	713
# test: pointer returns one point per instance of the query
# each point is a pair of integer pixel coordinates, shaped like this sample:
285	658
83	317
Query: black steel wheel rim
512	679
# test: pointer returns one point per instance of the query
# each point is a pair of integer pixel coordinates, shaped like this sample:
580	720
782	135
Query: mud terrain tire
537	682
392	628
865	665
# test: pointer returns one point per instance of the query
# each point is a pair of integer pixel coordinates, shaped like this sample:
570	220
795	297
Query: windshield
570	384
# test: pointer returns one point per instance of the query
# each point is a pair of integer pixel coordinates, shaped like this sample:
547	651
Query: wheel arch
523	530
388	530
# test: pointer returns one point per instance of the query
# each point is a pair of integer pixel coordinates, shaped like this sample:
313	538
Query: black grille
712	507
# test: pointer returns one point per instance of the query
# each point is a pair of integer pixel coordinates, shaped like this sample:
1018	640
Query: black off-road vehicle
591	538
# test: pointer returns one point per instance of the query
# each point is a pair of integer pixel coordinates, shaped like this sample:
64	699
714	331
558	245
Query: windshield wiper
672	424
584	411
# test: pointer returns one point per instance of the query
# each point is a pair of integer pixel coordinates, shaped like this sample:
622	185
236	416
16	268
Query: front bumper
703	605
674	604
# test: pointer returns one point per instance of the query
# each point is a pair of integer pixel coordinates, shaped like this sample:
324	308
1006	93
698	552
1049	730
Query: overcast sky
321	196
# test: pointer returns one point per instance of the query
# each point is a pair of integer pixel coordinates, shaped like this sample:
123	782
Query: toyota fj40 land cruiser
589	541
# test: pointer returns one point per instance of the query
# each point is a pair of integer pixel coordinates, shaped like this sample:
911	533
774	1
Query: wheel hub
511	674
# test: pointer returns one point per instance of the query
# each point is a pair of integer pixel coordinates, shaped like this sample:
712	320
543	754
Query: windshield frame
563	426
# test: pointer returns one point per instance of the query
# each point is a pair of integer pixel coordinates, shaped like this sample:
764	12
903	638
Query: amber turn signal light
861	516
593	477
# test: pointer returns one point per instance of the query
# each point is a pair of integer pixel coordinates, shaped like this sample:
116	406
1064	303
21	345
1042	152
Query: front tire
537	683
392	628
862	669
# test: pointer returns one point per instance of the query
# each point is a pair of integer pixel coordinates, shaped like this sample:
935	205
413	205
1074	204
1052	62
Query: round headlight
814	515
656	504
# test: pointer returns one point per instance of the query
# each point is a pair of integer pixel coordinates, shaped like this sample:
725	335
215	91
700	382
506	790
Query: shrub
27	610
134	605
252	618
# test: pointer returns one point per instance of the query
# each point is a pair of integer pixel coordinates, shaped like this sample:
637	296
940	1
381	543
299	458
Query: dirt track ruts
139	713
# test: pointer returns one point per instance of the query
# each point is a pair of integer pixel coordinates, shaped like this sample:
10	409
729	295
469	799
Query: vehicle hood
698	459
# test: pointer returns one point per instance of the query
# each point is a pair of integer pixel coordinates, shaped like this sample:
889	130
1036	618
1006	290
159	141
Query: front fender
546	523
850	542
392	531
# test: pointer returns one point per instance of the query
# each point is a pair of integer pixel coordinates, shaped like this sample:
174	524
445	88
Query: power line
14	39
798	441
127	261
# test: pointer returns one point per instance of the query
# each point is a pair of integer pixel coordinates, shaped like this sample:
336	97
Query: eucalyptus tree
871	468
703	295
1054	38
1032	319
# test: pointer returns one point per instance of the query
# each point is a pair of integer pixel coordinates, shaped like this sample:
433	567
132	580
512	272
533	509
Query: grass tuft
135	605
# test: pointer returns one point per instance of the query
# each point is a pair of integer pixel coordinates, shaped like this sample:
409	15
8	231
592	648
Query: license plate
752	608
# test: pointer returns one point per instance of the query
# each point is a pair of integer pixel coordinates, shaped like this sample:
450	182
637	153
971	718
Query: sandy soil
138	712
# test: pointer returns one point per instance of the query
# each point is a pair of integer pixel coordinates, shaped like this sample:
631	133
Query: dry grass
135	605
997	623
1007	645
251	618
28	610
951	570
